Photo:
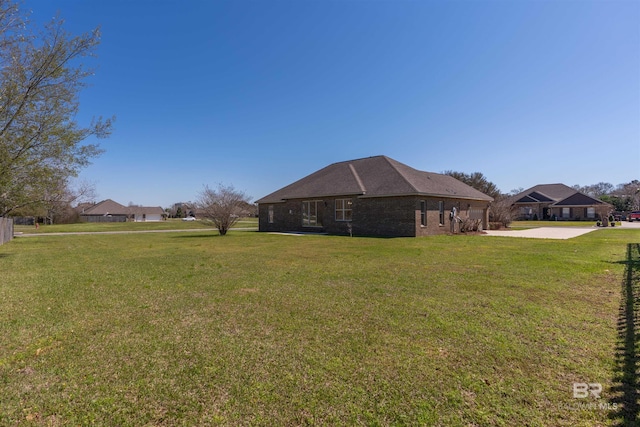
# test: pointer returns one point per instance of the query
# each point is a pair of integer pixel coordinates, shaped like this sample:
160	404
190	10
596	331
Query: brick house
374	196
110	211
558	201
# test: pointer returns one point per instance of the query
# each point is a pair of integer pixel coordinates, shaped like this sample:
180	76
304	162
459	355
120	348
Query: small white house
146	214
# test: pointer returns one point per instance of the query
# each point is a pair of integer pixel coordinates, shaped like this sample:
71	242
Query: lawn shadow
626	381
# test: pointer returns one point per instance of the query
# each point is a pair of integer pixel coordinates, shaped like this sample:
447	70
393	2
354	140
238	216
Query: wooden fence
6	230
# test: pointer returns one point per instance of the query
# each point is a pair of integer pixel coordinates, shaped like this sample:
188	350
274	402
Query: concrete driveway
555	232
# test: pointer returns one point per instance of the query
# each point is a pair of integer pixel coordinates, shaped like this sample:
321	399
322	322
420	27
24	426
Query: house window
311	213
566	212
441	209
423	212
591	213
476	213
270	216
343	209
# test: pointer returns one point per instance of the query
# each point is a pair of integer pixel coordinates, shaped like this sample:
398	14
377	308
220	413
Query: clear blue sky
258	94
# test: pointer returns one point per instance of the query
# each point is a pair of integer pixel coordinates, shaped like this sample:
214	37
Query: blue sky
258	94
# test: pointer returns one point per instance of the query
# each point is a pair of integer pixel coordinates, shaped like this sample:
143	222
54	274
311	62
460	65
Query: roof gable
533	197
556	195
526	199
579	199
377	176
540	197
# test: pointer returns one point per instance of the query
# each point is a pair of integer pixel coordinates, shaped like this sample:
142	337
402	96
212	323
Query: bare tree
595	190
57	205
501	211
223	206
631	192
60	201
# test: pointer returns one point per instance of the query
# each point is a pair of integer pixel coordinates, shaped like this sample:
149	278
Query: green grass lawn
186	328
170	224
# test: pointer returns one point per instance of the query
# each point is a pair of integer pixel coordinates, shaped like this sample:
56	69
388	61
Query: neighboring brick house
558	201
374	196
110	211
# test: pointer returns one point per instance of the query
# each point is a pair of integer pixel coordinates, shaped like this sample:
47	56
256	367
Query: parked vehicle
189	218
634	216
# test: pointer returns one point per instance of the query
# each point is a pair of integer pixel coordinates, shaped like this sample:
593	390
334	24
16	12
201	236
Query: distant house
375	196
110	211
557	201
146	213
104	211
185	209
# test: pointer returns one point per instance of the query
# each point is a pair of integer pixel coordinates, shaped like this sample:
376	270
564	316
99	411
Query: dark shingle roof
553	191
377	176
579	199
527	199
109	207
555	194
106	207
540	197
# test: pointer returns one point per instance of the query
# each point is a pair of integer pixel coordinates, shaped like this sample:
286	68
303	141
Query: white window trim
270	214
308	203
344	210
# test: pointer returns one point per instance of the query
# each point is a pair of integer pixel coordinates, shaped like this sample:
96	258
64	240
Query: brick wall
575	213
387	216
286	216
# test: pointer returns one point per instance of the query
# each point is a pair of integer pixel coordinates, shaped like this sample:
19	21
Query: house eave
376	196
311	197
582	206
434	195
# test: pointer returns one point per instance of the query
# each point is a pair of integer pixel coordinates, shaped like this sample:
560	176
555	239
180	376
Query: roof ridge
394	166
356	160
357	178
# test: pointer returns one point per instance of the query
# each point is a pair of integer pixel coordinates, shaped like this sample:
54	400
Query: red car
634	216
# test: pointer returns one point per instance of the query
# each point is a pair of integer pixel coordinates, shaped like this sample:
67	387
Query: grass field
89	227
170	329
